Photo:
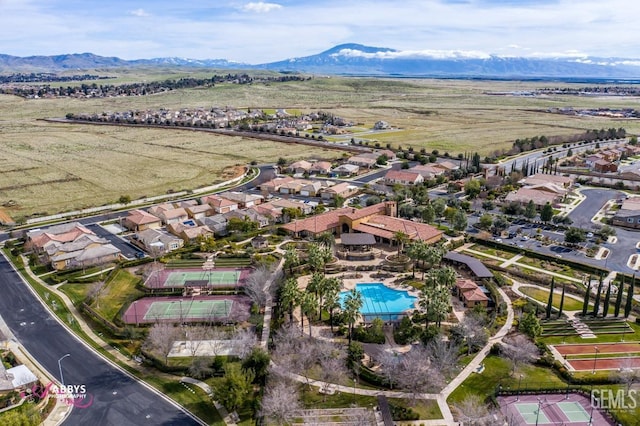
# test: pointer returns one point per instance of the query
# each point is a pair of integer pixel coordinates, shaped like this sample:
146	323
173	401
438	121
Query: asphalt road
127	249
117	398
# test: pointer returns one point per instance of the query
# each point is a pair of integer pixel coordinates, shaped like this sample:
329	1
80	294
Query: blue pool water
380	301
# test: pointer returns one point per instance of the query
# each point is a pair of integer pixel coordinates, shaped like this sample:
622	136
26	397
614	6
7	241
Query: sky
265	31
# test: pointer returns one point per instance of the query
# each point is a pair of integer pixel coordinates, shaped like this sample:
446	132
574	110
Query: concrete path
522	265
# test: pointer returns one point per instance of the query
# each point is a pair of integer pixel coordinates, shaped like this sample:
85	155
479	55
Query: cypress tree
627	307
616	311
585	303
561	302
607	298
550	301
596	303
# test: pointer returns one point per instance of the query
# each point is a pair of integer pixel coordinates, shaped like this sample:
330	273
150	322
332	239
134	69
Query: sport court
178	278
194	309
551	409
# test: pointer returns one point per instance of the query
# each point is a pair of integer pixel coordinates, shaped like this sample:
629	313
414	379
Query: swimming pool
380	301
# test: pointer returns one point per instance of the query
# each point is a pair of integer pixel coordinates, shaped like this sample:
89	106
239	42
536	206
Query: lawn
197	402
498	372
631	336
117	292
570	304
427	409
76	292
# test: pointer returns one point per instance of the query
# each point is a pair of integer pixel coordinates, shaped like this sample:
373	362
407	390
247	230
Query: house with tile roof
36	239
139	220
220	205
378	220
342	189
164	242
470	293
402	177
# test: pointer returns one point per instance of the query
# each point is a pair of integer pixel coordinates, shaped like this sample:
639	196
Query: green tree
547	213
289	296
607	299
550	300
530	211
317	257
616	311
428	214
233	390
439	206
472	188
585	303
257	362
401	239
308	306
124	199
291	259
561	302
596	303
459	220
326	240
351	309
338	201
485	222
629	304
575	235
530	325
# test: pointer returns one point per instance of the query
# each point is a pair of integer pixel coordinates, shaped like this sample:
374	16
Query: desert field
53	167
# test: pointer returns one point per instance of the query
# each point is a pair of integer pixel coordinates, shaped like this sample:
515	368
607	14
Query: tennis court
188	309
213	309
176	278
569	409
532	413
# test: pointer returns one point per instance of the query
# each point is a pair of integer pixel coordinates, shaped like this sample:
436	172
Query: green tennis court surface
574	411
182	278
189	309
530	414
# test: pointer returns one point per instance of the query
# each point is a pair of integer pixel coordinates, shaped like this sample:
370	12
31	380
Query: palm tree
331	303
414	250
401	238
308	305
289	296
326	240
291	259
352	304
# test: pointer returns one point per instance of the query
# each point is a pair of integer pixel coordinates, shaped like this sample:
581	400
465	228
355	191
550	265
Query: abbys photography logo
72	395
614	399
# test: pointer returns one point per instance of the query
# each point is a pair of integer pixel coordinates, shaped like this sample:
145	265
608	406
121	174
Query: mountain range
356	59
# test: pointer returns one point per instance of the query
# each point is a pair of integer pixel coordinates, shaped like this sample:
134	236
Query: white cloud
139	12
260	7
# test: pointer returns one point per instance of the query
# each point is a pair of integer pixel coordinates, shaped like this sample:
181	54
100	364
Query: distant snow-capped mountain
357	59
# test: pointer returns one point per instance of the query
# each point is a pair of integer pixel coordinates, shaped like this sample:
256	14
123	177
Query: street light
518	393
60	368
354	391
538	412
595	358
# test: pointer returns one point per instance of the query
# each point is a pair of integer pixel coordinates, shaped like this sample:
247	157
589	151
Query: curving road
118	399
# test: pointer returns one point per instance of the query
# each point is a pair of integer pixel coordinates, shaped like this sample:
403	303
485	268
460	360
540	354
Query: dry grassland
49	167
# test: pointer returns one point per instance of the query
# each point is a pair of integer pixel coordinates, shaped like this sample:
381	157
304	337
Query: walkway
522	265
